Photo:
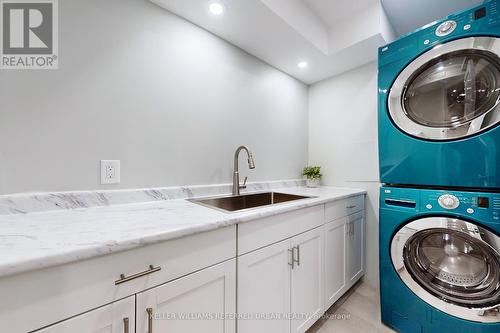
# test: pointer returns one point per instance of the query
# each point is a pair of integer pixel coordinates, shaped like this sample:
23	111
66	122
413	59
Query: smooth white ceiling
408	15
333	36
331	11
286	32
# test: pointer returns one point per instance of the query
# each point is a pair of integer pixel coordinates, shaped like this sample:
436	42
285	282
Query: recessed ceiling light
302	64
216	8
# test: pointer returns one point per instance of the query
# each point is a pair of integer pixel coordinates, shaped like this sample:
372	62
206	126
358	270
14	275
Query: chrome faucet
236	173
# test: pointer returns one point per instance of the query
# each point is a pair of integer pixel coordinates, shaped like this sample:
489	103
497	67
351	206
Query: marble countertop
42	239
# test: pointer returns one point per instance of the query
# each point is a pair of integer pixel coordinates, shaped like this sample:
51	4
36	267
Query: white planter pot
313	182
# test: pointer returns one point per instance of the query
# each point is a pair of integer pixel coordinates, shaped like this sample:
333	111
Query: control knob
446	28
448	201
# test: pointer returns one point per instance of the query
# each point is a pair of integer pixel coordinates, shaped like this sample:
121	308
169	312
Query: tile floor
356	312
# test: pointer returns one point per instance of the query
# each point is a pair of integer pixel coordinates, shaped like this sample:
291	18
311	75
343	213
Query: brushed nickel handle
126	325
348	231
298	255
351	206
244	185
124	278
150	319
291	255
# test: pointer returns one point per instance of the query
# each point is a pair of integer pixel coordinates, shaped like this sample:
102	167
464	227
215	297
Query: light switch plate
110	172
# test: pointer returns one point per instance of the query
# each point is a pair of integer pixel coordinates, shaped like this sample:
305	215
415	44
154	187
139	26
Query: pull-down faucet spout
236	173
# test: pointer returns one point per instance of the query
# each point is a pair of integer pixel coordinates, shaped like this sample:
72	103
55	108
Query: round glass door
450	92
452	264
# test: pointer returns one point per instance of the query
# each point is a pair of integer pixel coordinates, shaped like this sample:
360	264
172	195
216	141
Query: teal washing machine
439	96
440	260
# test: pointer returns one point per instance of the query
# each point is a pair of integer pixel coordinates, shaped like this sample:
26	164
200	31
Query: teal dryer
439	95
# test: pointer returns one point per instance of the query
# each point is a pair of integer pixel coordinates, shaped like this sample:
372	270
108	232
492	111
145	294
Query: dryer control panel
480	20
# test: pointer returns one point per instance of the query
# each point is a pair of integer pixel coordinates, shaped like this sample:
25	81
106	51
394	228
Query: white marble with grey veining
35	202
47	238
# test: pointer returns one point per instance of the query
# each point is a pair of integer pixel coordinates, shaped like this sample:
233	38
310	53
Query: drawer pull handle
291	252
124	278
150	319
351	206
126	325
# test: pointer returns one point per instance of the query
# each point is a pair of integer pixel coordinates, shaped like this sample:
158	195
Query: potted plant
313	176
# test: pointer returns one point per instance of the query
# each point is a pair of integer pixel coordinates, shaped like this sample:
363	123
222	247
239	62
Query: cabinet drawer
344	207
256	234
117	317
35	299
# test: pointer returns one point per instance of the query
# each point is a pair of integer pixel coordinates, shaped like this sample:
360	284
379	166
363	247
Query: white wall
168	99
343	141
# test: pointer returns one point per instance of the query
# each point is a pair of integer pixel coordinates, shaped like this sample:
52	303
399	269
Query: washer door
451	264
449	92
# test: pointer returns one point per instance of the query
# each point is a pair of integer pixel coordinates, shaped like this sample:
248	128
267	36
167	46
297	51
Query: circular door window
453	265
450	92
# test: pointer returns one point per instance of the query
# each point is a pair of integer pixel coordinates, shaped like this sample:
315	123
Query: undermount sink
247	201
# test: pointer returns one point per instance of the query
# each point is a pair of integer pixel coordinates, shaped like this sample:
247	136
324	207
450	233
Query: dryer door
449	92
451	264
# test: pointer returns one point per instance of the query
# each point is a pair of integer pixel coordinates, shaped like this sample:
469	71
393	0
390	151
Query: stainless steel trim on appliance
452	264
474	118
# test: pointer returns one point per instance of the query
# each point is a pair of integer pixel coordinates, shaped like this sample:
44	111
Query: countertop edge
92	252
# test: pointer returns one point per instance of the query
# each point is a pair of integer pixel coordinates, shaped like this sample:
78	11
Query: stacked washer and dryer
439	147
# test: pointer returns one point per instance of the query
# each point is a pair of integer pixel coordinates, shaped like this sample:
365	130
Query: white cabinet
49	295
264	289
287	270
200	302
355	247
280	286
117	317
336	234
307	280
344	255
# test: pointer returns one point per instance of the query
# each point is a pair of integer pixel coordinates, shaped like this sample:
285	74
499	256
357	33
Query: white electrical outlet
110	172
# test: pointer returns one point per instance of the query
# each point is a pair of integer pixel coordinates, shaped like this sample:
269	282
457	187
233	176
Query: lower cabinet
204	301
355	248
264	289
280	286
344	255
336	234
198	302
118	317
307	279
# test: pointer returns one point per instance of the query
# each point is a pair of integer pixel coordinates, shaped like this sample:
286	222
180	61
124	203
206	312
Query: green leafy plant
312	172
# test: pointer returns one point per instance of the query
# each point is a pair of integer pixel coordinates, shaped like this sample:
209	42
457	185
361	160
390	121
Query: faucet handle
244	183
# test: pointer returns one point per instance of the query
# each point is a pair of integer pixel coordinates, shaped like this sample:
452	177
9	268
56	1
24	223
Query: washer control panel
480	205
446	28
448	201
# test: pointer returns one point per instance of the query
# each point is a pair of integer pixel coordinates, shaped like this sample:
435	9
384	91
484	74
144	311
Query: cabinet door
336	234
356	242
117	317
264	290
307	280
200	302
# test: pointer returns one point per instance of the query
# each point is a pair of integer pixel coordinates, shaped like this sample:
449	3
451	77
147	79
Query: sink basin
247	201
